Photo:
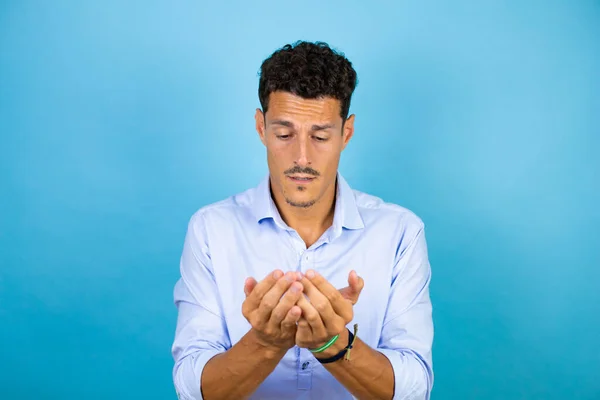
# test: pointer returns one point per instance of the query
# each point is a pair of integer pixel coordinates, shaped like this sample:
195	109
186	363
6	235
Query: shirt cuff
408	376
190	374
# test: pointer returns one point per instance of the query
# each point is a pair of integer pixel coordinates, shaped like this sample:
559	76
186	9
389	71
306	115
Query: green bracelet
326	345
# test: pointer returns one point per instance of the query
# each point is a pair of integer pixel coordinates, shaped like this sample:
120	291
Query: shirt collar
346	213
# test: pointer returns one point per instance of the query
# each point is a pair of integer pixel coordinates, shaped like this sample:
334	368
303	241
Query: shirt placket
304	359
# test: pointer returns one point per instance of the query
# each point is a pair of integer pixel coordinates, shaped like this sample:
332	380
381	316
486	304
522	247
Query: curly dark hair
309	70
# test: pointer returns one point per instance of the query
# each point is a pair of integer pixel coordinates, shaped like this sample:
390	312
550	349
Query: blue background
118	121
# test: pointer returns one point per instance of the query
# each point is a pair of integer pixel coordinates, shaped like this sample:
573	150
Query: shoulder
400	227
374	209
383	219
233	208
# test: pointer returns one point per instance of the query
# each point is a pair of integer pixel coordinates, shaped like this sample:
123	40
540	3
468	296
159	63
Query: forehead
296	108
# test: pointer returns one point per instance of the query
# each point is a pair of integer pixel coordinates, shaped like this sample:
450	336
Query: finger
255	297
323	306
355	282
273	296
303	332
312	317
249	285
291	318
354	288
287	302
348	294
339	303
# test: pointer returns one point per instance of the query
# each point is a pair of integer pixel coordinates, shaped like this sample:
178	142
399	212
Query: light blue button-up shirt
244	236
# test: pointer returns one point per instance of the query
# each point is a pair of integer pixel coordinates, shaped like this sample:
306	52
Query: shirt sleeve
407	333
201	332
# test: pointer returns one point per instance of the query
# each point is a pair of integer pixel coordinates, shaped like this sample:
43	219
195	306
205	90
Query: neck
310	222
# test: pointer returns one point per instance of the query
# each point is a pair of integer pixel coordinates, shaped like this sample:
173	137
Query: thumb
355	286
249	286
355	282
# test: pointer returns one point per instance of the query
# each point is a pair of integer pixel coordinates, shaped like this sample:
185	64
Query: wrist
339	345
263	348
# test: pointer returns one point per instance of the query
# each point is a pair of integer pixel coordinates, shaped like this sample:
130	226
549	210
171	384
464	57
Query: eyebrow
282	122
315	127
322	127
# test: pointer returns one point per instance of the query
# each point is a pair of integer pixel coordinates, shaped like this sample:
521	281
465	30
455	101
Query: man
304	234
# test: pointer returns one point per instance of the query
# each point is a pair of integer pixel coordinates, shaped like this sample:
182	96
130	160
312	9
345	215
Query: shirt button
305	365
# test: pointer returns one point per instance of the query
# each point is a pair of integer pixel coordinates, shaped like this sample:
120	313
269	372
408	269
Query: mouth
301	179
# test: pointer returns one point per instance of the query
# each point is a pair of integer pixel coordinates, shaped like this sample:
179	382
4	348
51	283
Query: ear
259	119
348	130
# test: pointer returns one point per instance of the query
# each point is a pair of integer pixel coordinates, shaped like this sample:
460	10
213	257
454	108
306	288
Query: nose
302	152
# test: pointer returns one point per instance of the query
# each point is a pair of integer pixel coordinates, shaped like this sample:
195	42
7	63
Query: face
304	140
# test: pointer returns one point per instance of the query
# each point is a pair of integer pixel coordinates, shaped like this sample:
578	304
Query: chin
300	203
300	200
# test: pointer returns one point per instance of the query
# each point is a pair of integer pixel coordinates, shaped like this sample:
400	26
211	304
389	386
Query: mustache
299	170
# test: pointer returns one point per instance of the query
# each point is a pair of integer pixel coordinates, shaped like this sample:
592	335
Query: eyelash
286	137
